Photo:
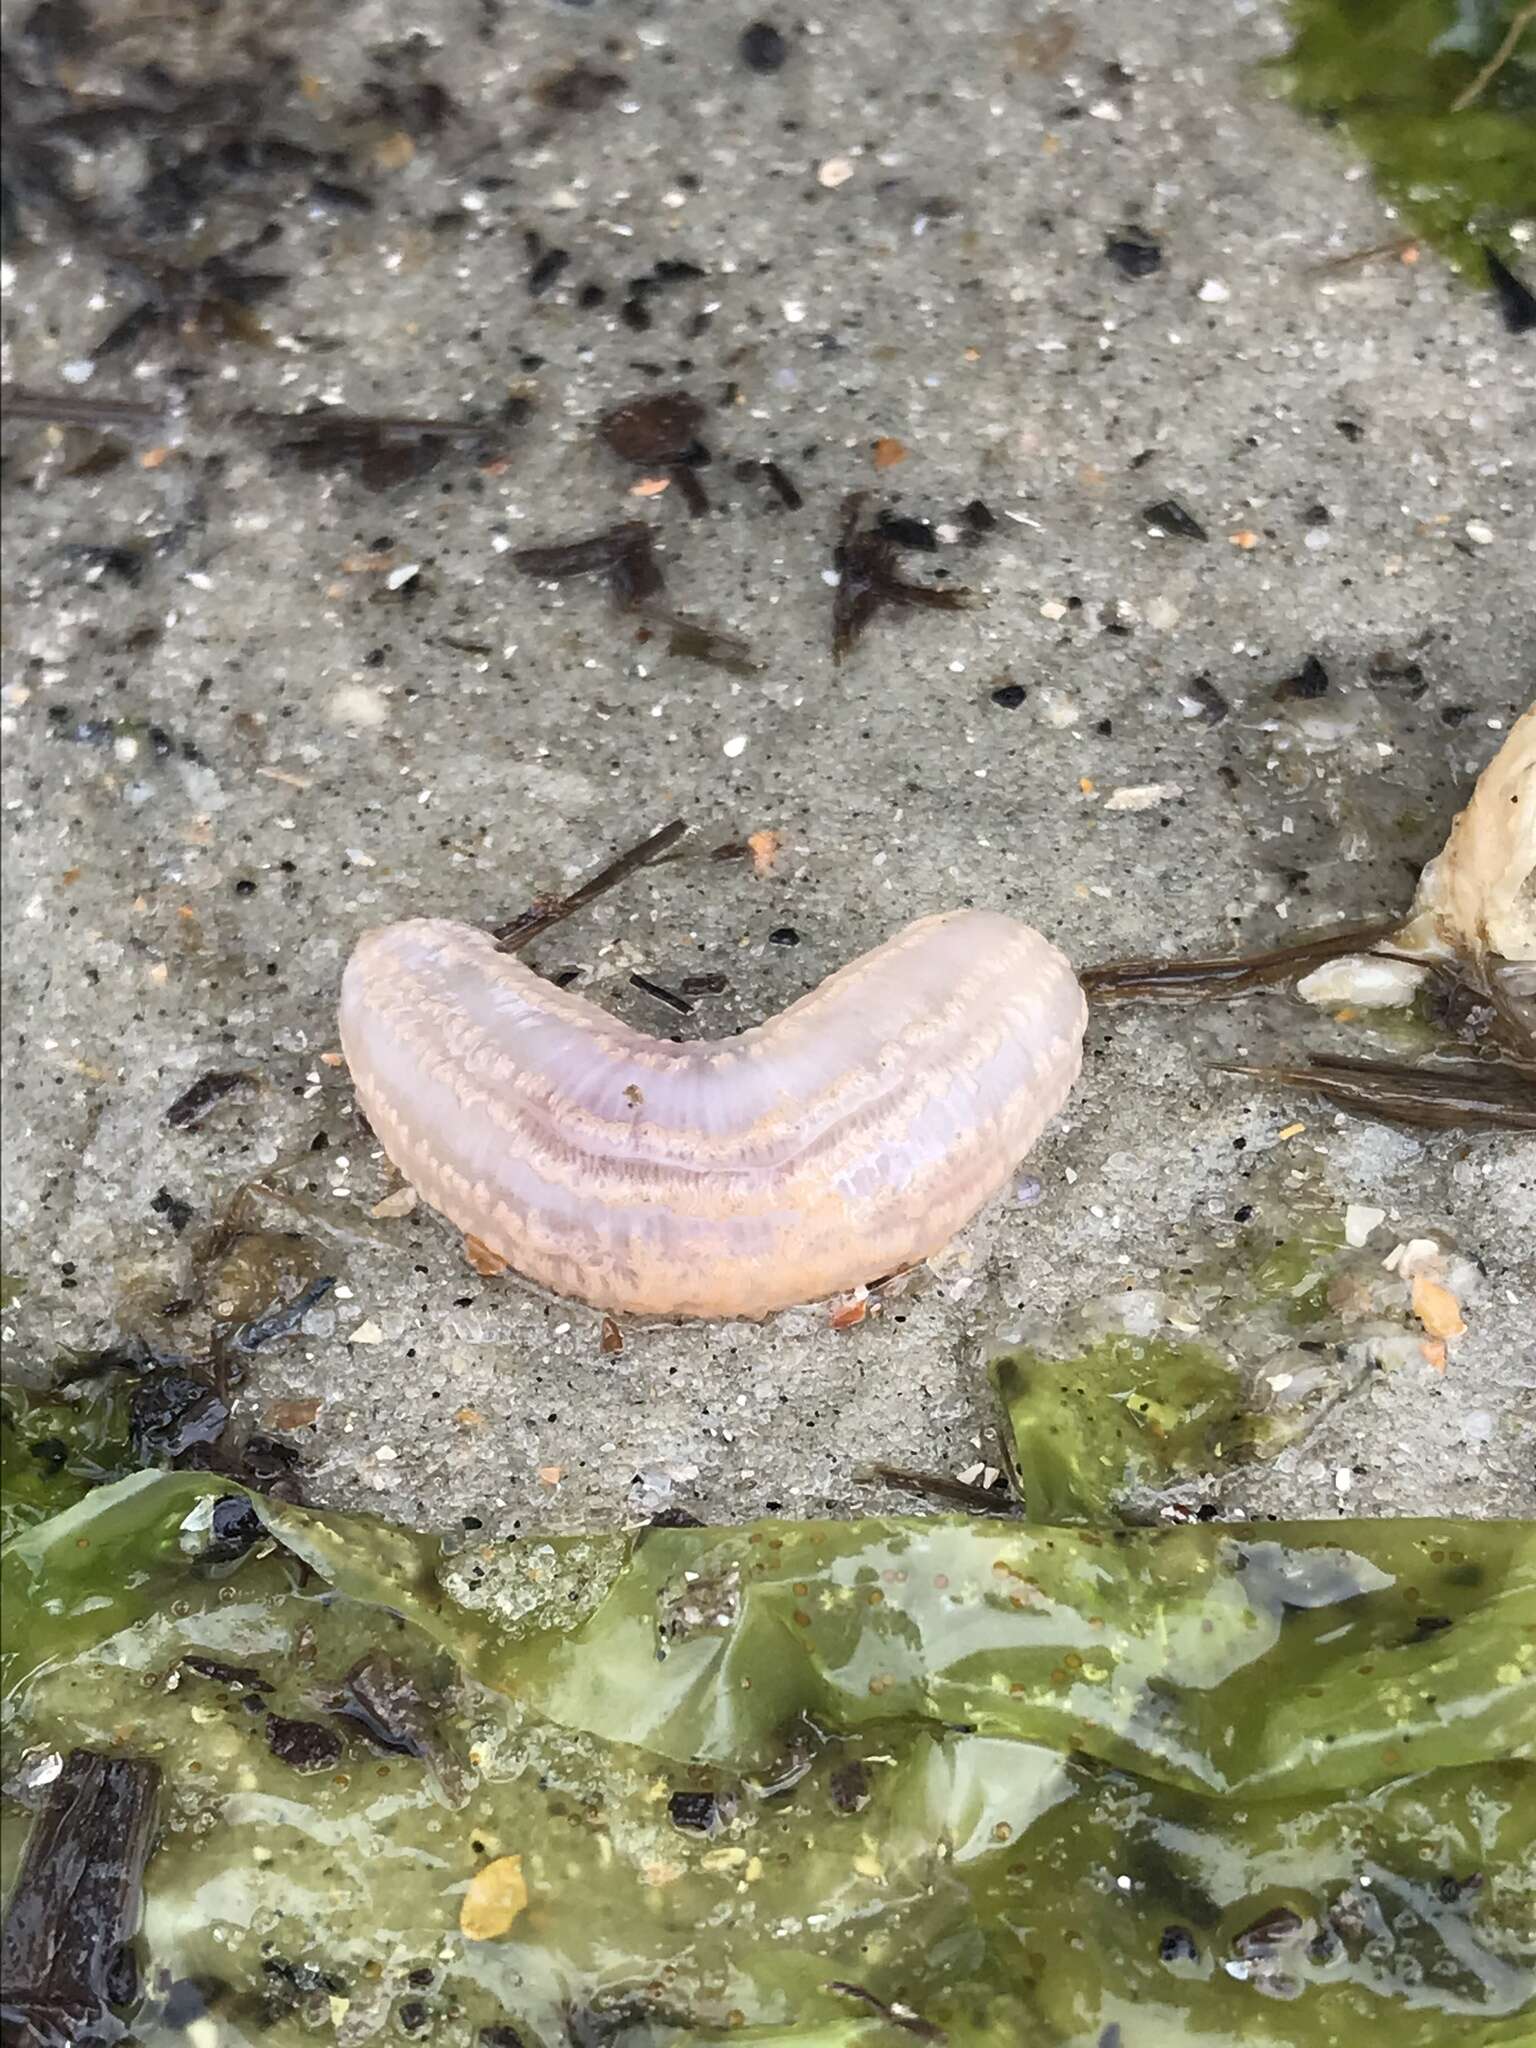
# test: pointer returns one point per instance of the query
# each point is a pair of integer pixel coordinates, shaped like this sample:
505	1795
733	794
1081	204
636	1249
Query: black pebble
1350	429
1213	706
762	47
1134	253
909	533
245	886
979	516
1517	302
1455	714
674	1518
1171	516
177	1213
849	1787
784	935
694	1811
234	1528
1310	681
1009	695
1177	1946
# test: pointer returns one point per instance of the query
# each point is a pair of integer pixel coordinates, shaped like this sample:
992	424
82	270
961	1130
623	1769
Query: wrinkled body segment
849	1137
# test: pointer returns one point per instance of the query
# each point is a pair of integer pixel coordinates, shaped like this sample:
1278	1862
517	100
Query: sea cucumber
846	1139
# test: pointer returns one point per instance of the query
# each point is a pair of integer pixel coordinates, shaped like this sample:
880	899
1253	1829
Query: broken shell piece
1367	983
1478	895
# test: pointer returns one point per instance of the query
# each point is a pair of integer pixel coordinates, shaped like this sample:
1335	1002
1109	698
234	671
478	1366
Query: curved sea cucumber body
850	1136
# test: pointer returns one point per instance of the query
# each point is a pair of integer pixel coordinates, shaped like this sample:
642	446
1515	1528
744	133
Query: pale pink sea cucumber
845	1139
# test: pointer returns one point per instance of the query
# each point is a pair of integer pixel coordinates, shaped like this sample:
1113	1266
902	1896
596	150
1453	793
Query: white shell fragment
1363	981
1478	895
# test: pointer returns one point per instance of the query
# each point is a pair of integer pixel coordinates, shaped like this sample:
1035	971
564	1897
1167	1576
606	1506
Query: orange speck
394	152
1087	785
468	1418
764	849
1291	1131
971	355
1433	1349
649	487
1409	254
1436	1307
485	1262
1246	538
612	1340
886	452
153	457
551	1475
331	1059
848	1313
69	877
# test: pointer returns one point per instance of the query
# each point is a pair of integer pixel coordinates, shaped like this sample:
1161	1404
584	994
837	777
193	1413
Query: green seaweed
812	1784
1388	74
1126	1414
53	1450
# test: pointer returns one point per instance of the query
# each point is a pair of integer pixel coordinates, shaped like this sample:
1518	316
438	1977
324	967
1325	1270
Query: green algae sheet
280	1777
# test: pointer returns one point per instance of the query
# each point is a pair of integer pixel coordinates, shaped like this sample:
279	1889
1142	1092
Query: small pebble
735	746
763	48
1142	796
1360	1219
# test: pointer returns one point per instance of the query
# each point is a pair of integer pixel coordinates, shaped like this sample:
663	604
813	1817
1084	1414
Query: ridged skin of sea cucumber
845	1139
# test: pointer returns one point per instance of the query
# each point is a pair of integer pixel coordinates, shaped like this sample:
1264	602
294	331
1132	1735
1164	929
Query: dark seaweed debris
283	1320
66	1955
892	2011
1193	980
978	1500
1434	1098
625	554
400	1715
551	911
384	448
661	432
171	1412
662	995
868	583
194	1103
779	482
303	1745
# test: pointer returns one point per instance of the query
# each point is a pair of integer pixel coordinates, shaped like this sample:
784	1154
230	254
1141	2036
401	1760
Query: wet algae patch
1439	96
836	1785
1128	1415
